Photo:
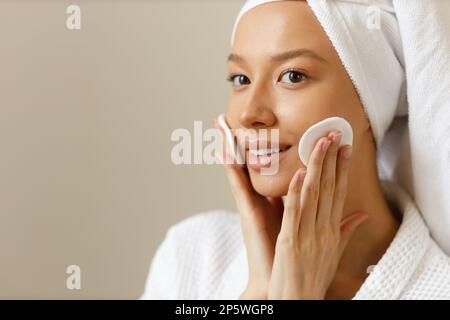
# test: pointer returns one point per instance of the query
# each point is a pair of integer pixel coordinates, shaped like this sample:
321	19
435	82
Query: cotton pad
321	129
230	138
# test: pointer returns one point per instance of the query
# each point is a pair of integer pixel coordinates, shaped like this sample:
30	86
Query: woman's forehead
279	27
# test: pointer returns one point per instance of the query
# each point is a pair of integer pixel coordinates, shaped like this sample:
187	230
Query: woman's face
286	75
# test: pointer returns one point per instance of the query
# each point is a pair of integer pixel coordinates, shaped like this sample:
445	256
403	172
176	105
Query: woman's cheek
273	185
233	110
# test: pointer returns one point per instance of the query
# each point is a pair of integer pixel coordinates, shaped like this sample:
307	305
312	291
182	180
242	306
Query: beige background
85	124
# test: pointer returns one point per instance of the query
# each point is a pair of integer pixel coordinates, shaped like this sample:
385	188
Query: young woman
341	232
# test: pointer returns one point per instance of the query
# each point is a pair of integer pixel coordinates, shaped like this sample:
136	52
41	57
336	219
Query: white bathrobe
203	257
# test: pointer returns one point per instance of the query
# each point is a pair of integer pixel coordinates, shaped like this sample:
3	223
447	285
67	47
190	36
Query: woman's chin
276	185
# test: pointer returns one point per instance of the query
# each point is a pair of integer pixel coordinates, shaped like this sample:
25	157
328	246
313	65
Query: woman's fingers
327	183
248	201
311	187
291	216
238	179
340	192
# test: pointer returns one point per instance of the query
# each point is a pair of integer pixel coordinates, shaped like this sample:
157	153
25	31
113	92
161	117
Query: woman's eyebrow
282	56
295	53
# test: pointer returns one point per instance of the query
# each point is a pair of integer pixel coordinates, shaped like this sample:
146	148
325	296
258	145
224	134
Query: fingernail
325	145
348	153
337	135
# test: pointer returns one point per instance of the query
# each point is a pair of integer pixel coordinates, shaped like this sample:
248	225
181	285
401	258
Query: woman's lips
257	159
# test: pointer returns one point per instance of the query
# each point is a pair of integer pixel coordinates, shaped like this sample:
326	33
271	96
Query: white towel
409	52
425	33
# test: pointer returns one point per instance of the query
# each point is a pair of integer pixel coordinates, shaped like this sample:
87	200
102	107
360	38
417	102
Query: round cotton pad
234	152
321	129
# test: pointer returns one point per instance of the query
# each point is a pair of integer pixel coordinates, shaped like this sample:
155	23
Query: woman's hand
312	236
260	222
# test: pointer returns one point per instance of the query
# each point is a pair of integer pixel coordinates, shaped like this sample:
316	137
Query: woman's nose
257	112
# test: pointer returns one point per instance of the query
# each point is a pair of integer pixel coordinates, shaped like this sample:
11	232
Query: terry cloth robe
203	257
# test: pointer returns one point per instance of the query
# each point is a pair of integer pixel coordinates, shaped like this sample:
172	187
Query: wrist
254	293
250	295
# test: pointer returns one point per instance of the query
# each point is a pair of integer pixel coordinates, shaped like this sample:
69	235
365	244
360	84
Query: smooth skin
335	222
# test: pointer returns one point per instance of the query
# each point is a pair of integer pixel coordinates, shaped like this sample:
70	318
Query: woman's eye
293	77
239	80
